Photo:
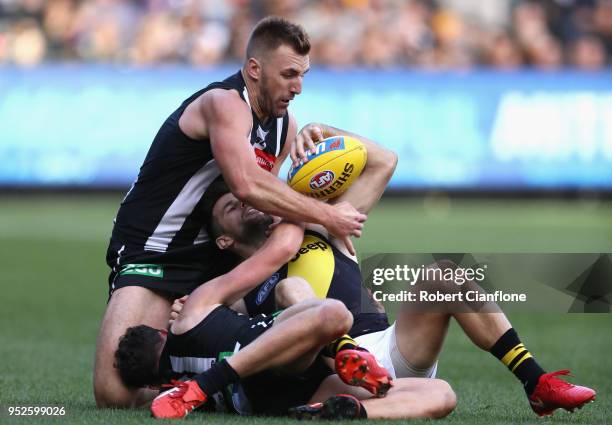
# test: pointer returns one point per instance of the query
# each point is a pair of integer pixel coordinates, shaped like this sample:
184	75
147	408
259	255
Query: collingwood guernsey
160	221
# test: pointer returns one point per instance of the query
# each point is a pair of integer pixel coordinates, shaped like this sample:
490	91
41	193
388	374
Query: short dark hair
273	31
136	357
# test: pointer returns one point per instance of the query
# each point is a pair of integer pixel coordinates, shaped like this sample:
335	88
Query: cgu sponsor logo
322	180
264	159
337	144
152	270
329	145
332	144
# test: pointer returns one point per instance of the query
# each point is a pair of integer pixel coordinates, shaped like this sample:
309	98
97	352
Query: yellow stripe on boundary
511	355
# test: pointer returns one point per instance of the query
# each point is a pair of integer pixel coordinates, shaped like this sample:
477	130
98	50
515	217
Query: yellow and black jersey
331	275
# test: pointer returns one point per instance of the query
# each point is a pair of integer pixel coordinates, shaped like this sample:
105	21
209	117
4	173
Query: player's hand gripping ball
327	173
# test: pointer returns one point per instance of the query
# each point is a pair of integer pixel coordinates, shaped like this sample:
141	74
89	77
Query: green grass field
54	290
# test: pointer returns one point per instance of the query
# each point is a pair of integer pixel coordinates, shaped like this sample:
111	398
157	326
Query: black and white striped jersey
160	220
221	334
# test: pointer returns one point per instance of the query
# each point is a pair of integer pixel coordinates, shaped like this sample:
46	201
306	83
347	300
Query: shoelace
561	382
181	385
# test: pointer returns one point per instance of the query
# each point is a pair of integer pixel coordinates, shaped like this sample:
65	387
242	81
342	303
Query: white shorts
384	346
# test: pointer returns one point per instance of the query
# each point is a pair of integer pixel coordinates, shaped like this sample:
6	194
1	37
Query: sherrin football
331	170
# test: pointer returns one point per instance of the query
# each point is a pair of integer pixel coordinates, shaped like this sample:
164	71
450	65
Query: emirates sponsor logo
264	159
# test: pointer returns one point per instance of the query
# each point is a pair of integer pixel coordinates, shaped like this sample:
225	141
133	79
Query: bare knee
333	319
292	290
109	392
109	389
106	400
382	159
129	306
443	399
439	277
390	162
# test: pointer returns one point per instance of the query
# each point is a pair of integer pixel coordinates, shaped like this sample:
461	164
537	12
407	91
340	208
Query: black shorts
172	273
271	394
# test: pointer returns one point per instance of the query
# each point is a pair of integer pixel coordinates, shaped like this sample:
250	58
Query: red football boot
360	368
552	393
178	402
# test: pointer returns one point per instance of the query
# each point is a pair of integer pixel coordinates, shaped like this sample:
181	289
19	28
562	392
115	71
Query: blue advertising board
75	125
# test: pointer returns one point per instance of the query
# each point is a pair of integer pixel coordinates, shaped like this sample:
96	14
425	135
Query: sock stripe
336	345
528	355
517	358
510	355
345	340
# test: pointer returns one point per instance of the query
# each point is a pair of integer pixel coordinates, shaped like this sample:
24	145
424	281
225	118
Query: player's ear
224	242
253	69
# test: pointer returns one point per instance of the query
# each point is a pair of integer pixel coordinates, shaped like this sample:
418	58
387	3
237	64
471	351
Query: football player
411	346
238	128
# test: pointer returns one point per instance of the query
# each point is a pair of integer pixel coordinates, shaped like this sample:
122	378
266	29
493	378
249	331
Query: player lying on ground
233	128
411	346
409	398
264	364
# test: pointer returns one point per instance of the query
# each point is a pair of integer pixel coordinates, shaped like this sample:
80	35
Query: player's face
240	221
281	79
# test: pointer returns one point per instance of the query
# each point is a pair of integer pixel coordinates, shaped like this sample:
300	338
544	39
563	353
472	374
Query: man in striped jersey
411	346
263	364
238	129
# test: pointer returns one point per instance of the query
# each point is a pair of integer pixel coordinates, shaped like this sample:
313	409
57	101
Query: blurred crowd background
430	34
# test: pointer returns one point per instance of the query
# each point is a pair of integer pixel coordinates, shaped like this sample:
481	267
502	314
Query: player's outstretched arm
366	191
282	244
228	121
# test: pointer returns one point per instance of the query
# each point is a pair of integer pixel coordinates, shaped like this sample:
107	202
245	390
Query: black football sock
345	342
512	352
215	379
